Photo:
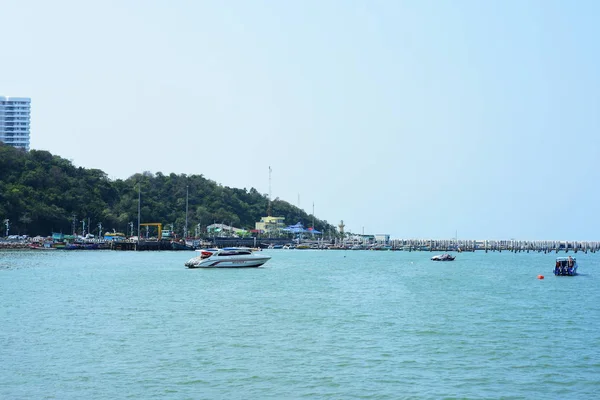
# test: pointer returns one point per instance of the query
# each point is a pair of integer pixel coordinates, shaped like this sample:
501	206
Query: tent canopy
299	228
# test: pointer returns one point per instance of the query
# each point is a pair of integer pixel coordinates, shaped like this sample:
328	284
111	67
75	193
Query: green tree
40	192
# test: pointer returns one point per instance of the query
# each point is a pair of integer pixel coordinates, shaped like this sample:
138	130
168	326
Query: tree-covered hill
41	193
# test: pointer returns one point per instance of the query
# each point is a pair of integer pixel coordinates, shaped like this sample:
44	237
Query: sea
309	324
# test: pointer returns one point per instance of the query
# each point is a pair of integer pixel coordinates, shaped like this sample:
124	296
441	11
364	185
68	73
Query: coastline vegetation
41	193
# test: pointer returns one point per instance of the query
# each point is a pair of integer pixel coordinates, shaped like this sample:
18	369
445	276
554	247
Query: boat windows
235	253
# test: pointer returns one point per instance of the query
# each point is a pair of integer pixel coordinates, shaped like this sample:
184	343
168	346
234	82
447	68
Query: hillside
41	193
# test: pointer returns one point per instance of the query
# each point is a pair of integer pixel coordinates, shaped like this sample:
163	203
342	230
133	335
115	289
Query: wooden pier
515	246
437	245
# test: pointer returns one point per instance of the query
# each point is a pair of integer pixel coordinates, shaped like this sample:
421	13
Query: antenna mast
139	211
269	207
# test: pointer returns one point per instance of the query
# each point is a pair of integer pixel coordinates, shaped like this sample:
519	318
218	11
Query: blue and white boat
565	266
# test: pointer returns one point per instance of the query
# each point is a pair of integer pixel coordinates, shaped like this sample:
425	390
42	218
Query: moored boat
180	246
44	246
229	257
565	266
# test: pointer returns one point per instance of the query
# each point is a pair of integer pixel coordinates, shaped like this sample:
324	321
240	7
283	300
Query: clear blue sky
413	118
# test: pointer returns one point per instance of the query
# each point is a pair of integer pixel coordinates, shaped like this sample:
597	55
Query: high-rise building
14	121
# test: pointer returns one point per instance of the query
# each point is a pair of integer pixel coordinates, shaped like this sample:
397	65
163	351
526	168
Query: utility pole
269	206
139	210
187	195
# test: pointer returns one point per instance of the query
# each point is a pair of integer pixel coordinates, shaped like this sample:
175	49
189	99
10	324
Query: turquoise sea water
309	324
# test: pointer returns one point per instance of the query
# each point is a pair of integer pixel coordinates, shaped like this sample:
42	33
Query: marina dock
540	246
515	246
449	245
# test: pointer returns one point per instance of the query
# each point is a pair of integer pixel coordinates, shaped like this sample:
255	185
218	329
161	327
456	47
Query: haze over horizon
418	119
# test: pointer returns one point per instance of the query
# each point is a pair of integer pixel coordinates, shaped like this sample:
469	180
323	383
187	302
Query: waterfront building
270	224
14	121
223	230
382	238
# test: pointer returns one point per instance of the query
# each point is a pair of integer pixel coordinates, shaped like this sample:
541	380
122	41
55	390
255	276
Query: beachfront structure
14	121
382	238
227	230
270	224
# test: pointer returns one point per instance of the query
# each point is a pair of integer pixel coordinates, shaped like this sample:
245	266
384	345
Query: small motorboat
565	266
443	257
229	257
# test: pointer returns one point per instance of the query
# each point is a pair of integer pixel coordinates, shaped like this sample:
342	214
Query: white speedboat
443	257
229	257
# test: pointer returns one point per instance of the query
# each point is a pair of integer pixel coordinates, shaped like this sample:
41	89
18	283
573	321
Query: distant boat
114	236
443	257
45	246
180	246
565	266
167	234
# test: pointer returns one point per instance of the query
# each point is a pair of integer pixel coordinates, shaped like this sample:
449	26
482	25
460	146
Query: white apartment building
14	121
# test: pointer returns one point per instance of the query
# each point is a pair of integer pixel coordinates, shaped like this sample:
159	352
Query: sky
418	119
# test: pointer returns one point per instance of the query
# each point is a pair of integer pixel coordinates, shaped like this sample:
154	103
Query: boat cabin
229	251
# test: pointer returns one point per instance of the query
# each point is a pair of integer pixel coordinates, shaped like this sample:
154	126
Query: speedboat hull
566	272
228	258
239	263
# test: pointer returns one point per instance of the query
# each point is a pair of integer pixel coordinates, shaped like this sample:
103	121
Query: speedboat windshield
234	252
